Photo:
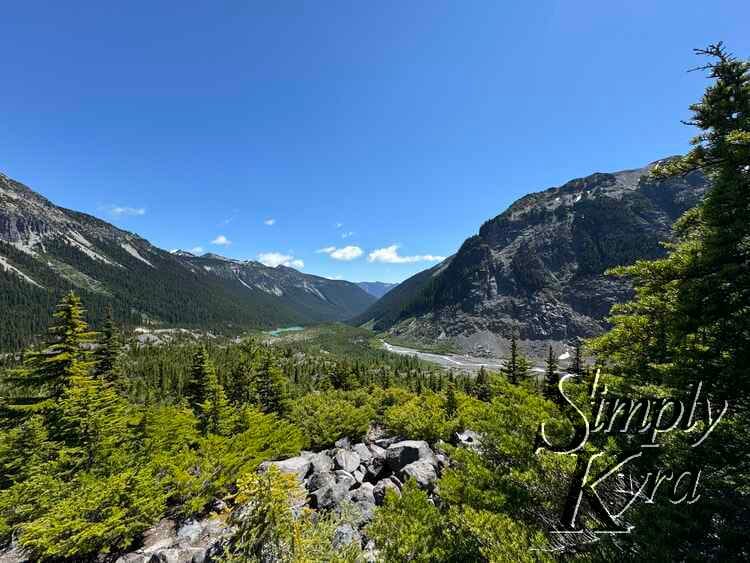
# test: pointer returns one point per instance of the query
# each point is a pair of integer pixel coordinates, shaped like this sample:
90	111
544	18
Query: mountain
540	264
377	289
46	250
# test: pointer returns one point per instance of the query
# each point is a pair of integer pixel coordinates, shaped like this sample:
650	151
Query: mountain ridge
47	250
538	266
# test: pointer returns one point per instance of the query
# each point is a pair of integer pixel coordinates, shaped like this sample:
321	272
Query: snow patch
134	253
564	356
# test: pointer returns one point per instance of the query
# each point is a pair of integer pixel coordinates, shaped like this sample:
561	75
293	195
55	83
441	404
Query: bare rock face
298	466
540	264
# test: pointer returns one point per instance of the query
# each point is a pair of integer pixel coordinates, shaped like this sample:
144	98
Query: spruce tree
109	350
551	376
576	366
217	416
49	372
269	387
451	401
482	385
193	389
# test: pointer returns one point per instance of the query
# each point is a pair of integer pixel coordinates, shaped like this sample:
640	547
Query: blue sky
328	132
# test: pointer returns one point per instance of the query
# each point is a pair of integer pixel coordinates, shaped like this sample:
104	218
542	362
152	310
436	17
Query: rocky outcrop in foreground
358	474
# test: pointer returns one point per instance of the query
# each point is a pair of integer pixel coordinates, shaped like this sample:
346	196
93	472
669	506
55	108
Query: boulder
403	453
344	478
382	487
320	480
321	462
363	452
329	496
346	460
469	439
363	493
298	466
343	443
422	472
377	461
359	474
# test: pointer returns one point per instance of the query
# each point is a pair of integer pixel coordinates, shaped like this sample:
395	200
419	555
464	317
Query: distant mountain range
46	250
377	289
539	266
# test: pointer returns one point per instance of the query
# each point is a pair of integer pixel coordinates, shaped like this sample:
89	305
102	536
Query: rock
362	451
347	460
363	493
382	487
321	462
422	472
344	478
218	506
299	466
329	496
442	460
345	535
403	453
320	480
377	461
359	474
469	439
386	442
343	443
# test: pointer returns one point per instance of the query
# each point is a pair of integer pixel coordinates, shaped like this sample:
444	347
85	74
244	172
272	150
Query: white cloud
338	225
346	253
119	211
274	259
197	250
221	240
347	234
269	222
390	255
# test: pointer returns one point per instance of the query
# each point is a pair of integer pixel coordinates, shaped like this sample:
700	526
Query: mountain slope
540	264
377	289
47	250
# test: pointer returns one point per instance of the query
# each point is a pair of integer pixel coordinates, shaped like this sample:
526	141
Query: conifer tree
110	348
193	390
269	388
49	372
576	366
451	401
551	376
482	385
217	416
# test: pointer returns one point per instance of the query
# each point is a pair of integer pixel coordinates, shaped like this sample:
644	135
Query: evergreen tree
269	388
49	372
217	416
482	385
576	366
193	390
551	376
451	401
109	350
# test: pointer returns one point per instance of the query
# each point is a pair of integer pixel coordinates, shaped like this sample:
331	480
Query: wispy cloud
197	250
221	240
390	255
274	259
346	253
121	210
269	222
338	225
347	234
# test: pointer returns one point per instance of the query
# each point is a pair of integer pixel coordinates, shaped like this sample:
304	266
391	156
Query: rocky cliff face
47	250
540	265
